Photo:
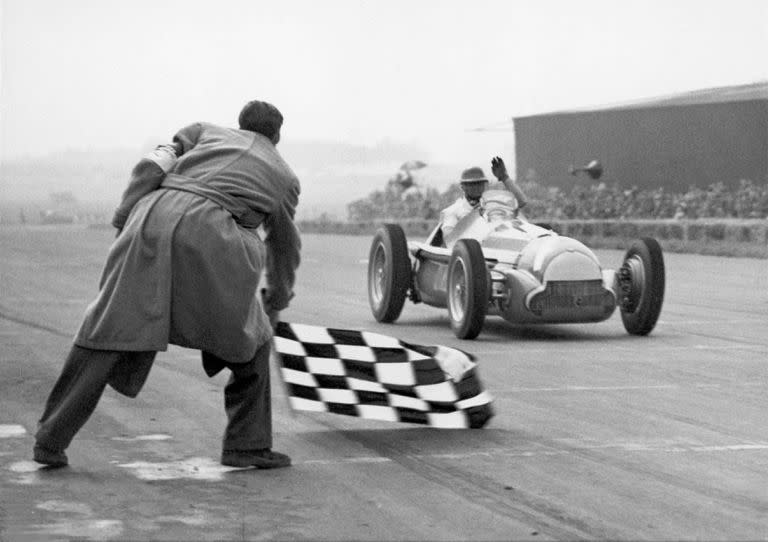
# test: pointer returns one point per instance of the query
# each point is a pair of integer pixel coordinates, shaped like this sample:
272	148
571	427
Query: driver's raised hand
499	169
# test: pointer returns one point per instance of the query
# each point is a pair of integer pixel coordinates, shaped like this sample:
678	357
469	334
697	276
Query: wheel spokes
379	274
459	294
632	283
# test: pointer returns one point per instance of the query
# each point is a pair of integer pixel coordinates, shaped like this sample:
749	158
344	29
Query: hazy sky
85	74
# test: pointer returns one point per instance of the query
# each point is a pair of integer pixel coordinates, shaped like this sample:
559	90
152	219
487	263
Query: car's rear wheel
468	289
389	273
641	280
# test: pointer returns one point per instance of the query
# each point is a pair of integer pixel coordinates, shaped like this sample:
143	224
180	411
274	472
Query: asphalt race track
597	434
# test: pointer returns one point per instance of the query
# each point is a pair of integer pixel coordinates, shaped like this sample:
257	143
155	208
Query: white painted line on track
209	470
24	466
362	459
588	388
195	468
629	387
625	447
143	437
25	472
12	430
657	348
728	347
672	321
77	529
65	507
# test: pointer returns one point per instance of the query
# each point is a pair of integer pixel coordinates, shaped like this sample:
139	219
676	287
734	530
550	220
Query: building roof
738	93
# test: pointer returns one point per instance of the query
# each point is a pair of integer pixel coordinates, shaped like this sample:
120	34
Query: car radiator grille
586	295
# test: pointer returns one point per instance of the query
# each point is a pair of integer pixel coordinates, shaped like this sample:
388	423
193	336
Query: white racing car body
496	262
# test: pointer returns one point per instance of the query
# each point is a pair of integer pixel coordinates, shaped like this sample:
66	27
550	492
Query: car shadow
497	329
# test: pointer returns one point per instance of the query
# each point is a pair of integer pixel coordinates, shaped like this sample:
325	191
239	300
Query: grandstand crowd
747	200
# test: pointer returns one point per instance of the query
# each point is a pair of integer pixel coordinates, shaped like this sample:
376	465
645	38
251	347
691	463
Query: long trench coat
186	267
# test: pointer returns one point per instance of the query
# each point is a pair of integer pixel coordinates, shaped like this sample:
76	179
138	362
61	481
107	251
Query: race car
496	262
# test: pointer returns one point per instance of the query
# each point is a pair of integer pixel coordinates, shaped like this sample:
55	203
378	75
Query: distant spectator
602	201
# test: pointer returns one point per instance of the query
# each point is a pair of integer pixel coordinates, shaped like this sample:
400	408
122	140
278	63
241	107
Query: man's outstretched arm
499	169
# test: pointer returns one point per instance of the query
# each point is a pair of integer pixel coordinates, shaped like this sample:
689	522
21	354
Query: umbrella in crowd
410	165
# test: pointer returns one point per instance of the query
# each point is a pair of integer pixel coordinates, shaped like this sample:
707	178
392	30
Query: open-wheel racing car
496	262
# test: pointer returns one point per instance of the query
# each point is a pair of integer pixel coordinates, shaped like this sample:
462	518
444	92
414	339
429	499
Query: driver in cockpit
473	183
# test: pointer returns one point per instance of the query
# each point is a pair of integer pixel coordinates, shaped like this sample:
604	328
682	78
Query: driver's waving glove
499	170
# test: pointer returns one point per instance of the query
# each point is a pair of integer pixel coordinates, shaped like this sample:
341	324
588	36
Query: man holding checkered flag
185	270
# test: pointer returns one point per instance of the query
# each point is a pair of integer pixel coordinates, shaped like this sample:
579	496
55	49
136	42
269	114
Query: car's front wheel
641	281
389	273
468	289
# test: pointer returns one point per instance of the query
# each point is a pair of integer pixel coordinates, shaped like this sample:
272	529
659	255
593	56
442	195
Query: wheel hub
457	297
378	275
631	279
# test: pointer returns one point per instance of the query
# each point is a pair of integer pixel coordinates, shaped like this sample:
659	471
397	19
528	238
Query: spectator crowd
746	199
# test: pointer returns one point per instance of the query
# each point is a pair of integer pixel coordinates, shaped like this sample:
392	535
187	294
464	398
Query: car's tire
389	273
468	289
641	280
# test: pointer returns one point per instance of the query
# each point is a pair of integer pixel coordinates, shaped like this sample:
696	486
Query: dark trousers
86	372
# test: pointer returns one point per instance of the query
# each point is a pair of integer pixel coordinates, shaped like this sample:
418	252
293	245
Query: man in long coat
185	269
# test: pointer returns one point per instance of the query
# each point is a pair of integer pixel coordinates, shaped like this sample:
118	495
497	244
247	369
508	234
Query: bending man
185	270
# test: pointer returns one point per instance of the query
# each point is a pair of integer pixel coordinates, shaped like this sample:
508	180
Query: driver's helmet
498	205
473	183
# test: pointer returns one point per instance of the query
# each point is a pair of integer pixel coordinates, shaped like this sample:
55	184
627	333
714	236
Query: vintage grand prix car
497	262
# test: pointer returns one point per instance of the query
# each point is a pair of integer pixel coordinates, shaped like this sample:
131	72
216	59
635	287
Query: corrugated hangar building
692	139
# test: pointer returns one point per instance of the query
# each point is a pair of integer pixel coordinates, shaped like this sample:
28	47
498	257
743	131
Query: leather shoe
50	458
261	459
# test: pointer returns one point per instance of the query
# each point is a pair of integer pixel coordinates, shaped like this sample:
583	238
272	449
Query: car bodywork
496	262
536	275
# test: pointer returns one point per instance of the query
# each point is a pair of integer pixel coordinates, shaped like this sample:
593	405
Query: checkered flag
378	377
